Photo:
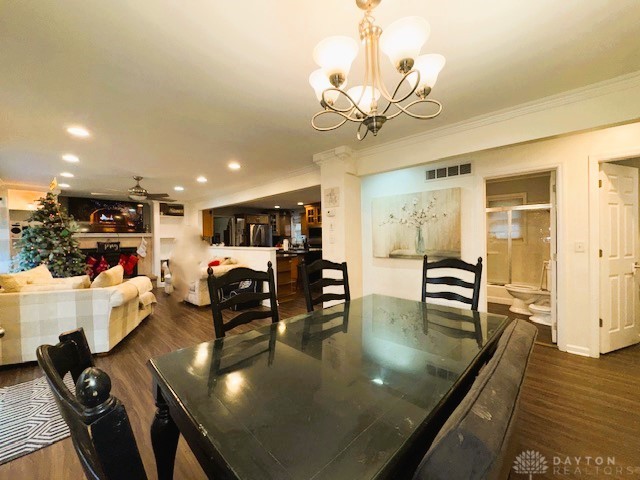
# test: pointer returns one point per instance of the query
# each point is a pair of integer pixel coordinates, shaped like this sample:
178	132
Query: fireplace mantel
113	235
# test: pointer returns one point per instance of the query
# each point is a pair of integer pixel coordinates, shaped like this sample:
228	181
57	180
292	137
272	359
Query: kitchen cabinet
259	218
281	223
207	223
313	214
287	265
312	217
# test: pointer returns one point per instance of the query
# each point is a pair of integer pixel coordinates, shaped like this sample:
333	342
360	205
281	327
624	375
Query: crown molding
343	152
595	90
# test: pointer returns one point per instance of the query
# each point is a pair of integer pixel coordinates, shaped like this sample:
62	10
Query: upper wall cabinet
313	215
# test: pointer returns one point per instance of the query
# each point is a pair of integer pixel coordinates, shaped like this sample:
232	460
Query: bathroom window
498	225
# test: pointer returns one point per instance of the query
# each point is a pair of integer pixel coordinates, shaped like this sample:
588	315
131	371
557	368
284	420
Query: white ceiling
174	89
287	200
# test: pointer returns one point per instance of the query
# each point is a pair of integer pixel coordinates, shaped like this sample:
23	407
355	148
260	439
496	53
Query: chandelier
362	104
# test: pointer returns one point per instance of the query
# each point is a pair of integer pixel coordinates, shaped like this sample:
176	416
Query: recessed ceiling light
300	203
178	188
67	174
201	179
140	205
78	131
69	157
64	185
276	206
234	165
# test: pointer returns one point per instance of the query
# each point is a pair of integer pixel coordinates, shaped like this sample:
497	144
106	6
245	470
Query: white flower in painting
414	215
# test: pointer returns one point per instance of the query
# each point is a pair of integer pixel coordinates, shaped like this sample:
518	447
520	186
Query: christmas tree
49	240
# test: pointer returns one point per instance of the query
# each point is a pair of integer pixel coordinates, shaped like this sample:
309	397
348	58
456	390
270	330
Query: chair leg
164	438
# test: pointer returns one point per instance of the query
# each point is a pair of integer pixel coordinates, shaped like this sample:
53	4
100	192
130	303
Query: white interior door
619	287
553	258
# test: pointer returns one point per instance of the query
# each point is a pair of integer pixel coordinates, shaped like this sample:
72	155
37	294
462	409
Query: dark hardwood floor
571	406
544	331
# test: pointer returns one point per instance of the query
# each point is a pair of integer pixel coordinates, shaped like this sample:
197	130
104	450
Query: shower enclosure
518	244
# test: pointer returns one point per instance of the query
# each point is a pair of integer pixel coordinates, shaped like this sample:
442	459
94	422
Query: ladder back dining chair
238	297
452	281
319	266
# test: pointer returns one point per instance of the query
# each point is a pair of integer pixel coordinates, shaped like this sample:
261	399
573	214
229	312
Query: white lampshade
429	67
320	83
367	98
335	55
404	38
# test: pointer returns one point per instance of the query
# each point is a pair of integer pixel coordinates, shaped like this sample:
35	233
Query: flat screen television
95	215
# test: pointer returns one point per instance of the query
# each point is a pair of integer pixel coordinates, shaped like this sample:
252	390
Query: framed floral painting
415	224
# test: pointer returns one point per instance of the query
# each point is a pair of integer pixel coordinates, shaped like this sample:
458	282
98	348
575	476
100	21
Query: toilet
525	295
541	312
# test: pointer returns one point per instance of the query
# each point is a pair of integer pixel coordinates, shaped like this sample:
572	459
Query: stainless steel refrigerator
260	235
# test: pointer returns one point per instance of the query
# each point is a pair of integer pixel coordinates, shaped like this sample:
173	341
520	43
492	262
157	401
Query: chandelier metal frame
374	119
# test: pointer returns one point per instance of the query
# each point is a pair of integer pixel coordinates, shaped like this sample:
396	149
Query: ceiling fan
140	194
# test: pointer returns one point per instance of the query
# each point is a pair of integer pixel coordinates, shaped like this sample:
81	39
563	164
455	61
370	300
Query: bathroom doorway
521	249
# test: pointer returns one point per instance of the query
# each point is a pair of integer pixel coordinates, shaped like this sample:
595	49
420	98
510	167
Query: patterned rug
30	419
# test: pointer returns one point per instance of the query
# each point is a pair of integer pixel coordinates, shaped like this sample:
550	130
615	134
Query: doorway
521	250
619	254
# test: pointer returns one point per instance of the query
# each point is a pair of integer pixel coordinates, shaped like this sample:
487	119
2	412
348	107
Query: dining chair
229	282
474	443
451	281
98	422
320	265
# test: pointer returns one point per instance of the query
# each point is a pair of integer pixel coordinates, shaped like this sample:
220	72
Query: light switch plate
579	247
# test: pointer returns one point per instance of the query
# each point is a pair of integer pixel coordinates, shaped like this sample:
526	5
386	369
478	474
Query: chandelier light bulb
429	67
319	81
403	39
364	99
334	55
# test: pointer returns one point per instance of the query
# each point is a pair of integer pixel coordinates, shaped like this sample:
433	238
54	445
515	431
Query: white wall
570	155
5	235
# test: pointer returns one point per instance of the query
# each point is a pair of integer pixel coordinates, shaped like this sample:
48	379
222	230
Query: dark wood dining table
353	391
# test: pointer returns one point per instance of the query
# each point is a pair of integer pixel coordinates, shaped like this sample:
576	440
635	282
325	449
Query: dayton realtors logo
530	463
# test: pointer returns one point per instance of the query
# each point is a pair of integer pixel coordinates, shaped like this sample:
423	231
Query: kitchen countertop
293	252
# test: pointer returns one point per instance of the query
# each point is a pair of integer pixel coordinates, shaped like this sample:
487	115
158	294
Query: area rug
29	418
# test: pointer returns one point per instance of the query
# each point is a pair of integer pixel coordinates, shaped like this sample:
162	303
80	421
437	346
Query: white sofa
33	318
198	293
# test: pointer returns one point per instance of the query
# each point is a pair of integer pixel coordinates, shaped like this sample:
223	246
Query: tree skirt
29	418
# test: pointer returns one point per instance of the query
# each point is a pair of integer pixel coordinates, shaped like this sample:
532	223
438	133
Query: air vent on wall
452	171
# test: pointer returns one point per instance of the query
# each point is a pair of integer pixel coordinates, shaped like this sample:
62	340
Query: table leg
164	438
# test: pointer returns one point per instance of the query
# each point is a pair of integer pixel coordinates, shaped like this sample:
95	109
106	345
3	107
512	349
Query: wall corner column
341	212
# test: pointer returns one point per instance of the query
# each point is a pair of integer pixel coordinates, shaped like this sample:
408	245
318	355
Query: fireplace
112	257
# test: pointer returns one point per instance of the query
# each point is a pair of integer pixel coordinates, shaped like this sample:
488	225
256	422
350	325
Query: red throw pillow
130	264
214	263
